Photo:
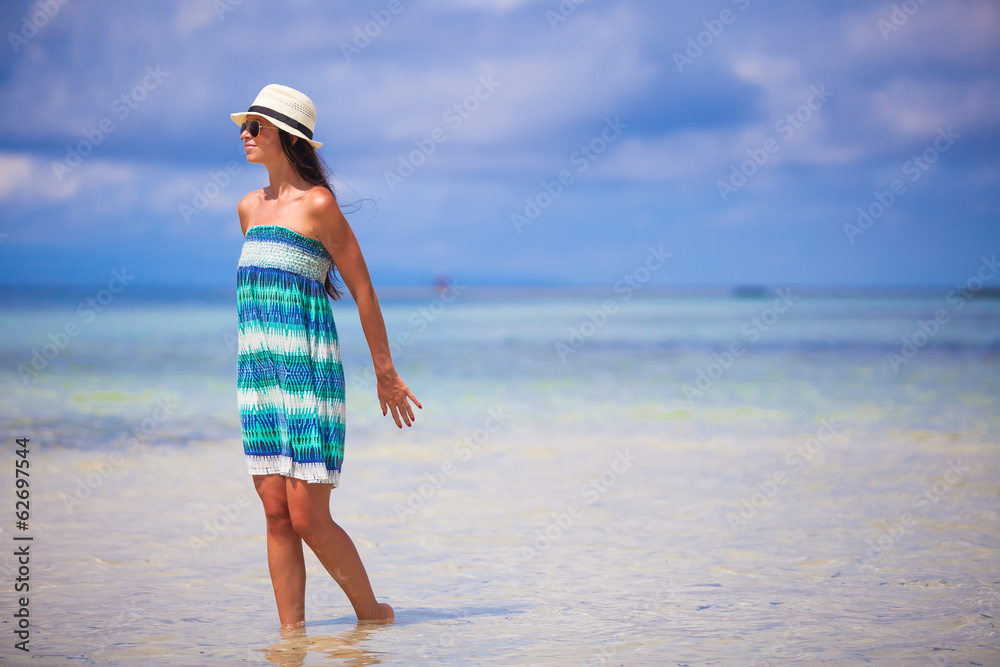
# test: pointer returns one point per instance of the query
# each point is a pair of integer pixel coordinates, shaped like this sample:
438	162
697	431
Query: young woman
290	381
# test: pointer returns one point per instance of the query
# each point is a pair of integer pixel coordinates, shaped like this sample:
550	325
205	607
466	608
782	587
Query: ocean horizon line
42	294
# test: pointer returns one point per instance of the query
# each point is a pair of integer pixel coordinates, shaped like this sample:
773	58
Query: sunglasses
255	127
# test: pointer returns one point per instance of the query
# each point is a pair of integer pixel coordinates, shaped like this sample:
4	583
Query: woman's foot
387	615
289	630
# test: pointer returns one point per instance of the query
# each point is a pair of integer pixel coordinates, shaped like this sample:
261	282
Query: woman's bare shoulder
319	200
246	207
321	207
325	217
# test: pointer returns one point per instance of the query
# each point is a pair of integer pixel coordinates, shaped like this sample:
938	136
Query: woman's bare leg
284	551
309	507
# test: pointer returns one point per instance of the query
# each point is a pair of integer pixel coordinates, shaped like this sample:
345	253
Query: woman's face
265	145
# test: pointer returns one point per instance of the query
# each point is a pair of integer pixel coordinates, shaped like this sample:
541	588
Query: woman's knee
278	519
309	507
304	522
272	496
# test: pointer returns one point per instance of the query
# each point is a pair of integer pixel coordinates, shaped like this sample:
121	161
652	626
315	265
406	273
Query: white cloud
30	180
889	94
683	155
16	172
918	108
554	84
958	32
193	15
495	6
576	77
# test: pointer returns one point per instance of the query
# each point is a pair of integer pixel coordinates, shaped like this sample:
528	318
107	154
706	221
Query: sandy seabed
542	552
812	507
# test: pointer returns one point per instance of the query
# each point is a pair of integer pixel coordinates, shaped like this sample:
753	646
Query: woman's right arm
336	235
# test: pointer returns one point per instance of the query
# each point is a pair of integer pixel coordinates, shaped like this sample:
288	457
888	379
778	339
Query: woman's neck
284	180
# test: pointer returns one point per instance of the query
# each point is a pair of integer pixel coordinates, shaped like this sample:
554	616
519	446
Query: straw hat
287	108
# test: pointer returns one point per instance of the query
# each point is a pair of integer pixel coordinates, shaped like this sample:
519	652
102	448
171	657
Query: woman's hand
392	395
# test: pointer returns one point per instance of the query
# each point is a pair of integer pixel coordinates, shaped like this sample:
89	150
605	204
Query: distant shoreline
44	295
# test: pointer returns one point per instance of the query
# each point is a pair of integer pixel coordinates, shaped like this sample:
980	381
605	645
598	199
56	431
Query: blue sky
116	116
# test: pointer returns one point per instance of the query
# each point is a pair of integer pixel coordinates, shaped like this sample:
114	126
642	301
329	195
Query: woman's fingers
407	411
387	407
400	408
406	414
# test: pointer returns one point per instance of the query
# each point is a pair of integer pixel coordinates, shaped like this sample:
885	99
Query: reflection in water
346	647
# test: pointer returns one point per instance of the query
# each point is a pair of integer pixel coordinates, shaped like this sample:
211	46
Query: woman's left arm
332	227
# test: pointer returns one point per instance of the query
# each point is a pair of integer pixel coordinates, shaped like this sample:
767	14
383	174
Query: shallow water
809	505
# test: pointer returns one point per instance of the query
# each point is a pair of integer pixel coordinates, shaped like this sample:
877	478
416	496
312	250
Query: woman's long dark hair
309	166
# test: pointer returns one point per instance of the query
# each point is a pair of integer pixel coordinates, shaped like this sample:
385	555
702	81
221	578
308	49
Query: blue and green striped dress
290	380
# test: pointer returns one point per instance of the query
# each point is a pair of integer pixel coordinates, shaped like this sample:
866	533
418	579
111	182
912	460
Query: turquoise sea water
593	480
